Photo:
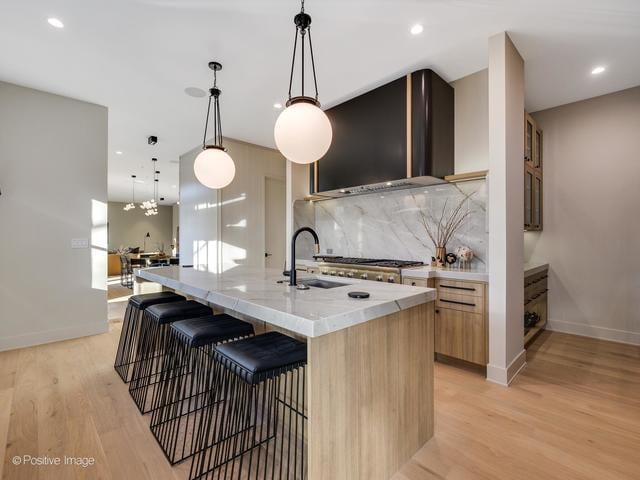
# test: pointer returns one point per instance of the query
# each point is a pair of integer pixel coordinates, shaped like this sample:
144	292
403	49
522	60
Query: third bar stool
148	362
255	424
130	333
187	380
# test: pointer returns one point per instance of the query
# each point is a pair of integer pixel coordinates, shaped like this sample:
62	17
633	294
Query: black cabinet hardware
458	303
468	289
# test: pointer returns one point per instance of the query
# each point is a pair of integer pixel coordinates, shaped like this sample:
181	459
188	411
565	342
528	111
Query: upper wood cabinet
533	162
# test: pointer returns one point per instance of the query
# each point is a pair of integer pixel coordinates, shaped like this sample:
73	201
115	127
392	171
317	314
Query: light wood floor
574	413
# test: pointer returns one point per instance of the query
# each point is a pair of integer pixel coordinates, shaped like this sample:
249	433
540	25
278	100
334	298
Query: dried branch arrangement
441	229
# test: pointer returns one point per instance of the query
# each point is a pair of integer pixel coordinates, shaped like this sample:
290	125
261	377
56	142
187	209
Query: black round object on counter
358	294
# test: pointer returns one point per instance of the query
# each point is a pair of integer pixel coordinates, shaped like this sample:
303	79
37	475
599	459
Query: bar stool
187	379
259	412
148	362
130	333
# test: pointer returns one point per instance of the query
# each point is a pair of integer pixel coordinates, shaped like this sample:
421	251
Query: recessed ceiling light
597	70
277	105
54	22
139	181
417	29
118	152
173	186
195	92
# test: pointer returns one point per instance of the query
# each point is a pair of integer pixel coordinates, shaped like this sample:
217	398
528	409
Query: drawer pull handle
458	303
468	289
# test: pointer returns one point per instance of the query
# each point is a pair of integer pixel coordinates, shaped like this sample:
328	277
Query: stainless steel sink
315	282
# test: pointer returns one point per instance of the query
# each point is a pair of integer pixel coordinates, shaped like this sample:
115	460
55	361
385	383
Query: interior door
274	223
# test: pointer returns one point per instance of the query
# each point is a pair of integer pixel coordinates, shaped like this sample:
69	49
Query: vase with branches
441	228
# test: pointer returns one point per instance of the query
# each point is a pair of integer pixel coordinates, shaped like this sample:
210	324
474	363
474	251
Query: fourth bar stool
254	425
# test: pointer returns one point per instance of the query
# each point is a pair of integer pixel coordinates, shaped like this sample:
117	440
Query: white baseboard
594	331
504	376
48	336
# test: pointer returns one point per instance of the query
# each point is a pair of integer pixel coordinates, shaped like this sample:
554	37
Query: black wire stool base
253	431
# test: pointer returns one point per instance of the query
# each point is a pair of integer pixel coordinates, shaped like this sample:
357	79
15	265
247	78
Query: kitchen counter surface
312	313
472	275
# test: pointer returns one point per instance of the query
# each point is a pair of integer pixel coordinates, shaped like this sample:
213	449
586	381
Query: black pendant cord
214	93
303	26
313	65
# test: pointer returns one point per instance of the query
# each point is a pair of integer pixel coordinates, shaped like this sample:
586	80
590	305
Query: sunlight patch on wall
98	245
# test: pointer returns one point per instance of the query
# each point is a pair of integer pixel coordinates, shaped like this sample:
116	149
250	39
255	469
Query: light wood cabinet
460	335
536	301
533	167
460	327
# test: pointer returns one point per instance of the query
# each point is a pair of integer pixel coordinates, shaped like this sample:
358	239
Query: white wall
53	178
472	122
506	205
129	229
227	224
591	231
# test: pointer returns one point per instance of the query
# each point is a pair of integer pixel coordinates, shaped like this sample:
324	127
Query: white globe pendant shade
303	132
214	168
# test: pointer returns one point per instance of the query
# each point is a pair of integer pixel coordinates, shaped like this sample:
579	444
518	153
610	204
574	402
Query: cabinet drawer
461	335
416	282
460	287
464	303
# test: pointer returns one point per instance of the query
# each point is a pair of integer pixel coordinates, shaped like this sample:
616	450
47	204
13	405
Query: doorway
274	222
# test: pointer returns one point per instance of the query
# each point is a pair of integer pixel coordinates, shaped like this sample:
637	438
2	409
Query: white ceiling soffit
138	56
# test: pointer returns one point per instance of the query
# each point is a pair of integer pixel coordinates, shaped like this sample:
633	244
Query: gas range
381	270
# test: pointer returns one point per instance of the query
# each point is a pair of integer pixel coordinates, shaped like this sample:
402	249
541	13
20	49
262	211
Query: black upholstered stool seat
170	312
145	300
212	329
263	356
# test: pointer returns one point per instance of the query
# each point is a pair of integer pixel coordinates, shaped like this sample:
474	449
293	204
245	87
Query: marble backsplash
389	224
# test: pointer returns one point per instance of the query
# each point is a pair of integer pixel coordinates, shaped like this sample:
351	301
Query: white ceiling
138	56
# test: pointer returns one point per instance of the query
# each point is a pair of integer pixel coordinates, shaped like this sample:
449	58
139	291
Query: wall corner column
506	219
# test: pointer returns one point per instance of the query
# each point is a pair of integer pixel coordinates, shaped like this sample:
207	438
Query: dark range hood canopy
399	135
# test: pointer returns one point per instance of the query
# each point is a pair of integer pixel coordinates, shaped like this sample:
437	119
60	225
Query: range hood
397	136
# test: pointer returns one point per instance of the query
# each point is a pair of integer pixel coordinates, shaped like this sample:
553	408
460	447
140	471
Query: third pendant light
303	132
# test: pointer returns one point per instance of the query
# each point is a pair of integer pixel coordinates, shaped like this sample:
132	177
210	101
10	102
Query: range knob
364	276
391	280
332	272
379	278
324	272
341	274
350	274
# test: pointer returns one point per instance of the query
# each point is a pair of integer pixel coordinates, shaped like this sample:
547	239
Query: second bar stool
187	380
254	425
148	362
130	333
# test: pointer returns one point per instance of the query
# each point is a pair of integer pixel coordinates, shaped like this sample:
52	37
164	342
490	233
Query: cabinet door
460	335
537	149
529	133
537	202
528	197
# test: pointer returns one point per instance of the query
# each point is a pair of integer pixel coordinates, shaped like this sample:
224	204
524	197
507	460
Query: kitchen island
370	361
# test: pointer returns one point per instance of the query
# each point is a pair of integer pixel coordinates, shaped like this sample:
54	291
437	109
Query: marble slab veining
312	313
389	224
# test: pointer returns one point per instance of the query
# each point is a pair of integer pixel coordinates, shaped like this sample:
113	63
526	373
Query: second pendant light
213	167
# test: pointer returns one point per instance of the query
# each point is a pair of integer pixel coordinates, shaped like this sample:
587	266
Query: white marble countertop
472	275
315	312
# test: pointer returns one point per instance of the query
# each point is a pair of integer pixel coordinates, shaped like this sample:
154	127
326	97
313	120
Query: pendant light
303	132
214	168
150	206
132	204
